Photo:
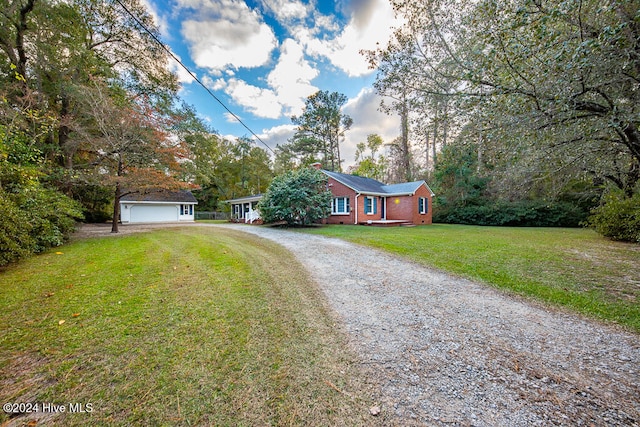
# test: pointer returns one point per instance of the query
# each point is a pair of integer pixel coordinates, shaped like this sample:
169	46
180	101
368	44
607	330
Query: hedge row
517	214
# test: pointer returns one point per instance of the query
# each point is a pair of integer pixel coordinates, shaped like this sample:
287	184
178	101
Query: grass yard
574	268
187	326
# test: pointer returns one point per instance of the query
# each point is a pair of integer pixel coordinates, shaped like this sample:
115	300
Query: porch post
357	195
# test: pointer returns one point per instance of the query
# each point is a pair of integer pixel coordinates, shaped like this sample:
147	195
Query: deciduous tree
127	146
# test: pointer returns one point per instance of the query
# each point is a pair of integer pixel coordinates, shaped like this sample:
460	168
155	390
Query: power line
166	49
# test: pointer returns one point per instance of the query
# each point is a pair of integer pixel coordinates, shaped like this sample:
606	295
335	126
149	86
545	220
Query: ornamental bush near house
618	218
297	197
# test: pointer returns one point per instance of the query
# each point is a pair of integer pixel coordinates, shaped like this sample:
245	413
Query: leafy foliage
618	218
466	197
32	216
525	213
298	197
373	165
543	93
16	240
321	127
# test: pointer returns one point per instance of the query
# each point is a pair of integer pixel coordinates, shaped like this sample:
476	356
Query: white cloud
288	85
287	11
183	76
217	84
291	78
226	33
159	19
277	135
371	22
367	119
230	117
259	101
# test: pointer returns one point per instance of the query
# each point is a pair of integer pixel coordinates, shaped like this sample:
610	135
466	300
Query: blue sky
263	58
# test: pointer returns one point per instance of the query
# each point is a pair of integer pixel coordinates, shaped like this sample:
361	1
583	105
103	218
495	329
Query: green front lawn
187	326
574	268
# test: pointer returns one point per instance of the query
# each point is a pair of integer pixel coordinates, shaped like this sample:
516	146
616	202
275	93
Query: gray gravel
448	351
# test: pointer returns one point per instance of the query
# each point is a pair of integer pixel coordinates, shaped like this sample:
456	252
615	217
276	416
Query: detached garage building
157	206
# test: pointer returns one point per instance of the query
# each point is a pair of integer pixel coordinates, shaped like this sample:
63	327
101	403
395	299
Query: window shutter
426	205
375	205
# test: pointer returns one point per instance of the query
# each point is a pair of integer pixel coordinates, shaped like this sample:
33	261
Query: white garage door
154	213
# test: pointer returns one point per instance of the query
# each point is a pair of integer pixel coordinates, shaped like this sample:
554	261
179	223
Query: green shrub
527	213
52	216
618	218
15	232
34	220
299	198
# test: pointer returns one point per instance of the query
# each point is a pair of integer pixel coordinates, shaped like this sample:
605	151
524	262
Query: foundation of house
388	223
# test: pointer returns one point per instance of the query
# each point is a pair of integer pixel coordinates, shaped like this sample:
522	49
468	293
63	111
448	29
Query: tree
298	197
223	169
33	217
126	146
374	165
321	127
59	46
533	83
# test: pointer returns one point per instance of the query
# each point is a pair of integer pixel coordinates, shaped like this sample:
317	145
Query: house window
186	209
423	205
340	206
370	205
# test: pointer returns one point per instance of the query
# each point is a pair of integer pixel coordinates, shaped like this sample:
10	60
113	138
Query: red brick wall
362	216
406	207
341	190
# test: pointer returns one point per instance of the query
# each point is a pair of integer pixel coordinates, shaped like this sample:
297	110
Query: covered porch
244	209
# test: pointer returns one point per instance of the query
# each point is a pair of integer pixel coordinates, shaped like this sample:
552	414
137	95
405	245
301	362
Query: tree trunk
64	132
404	148
116	210
116	200
435	131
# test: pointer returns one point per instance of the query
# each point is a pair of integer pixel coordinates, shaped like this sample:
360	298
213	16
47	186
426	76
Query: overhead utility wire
191	74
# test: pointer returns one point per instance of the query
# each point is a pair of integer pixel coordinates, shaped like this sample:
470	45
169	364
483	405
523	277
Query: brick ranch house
359	200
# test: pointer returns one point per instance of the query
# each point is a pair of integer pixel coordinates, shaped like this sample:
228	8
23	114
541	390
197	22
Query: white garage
157	206
153	212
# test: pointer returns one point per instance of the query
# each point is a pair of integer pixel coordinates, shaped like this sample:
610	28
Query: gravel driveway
448	351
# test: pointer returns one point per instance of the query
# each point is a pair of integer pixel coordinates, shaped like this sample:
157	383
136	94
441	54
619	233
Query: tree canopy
320	129
545	92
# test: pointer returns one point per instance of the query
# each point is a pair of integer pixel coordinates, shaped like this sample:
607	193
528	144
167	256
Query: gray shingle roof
403	188
371	186
358	183
181	196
